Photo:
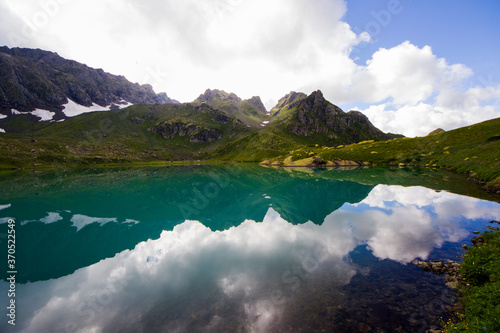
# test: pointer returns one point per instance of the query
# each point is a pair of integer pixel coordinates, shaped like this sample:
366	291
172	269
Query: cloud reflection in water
248	276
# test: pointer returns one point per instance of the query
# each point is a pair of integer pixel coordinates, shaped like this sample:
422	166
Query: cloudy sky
411	66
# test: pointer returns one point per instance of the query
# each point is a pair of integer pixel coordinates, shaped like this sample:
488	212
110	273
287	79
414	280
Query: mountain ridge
321	120
33	79
217	124
251	112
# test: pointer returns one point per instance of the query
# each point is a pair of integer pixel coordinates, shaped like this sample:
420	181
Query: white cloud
244	264
185	47
254	48
390	237
406	75
452	109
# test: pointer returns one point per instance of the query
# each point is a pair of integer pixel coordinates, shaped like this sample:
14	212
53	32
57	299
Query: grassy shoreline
472	150
480	292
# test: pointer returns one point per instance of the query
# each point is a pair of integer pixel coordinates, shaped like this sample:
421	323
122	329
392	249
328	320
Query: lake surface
234	248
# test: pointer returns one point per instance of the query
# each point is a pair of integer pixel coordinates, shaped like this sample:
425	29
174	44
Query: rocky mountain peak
217	95
316	100
35	79
257	102
316	118
316	105
287	102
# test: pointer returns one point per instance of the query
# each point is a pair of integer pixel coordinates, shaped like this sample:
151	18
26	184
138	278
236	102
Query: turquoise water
234	248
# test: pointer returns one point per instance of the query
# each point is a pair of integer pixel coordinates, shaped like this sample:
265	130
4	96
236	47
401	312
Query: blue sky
461	31
421	64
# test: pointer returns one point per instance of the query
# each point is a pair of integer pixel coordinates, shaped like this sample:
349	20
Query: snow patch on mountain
44	115
72	109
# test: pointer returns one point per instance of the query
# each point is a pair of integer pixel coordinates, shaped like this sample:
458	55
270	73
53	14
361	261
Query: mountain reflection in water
233	249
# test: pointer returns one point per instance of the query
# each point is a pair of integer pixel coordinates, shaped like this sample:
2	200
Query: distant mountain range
33	79
47	98
60	113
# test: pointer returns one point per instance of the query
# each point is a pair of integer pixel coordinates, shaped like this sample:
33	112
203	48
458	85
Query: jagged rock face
287	102
221	119
257	102
315	115
196	133
251	111
206	135
170	130
31	79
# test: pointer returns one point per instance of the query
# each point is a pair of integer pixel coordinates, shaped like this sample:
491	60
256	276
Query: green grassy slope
473	149
234	106
149	133
135	134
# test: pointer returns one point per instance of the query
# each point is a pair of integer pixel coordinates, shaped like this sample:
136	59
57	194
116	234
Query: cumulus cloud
451	109
406	75
244	265
184	47
255	48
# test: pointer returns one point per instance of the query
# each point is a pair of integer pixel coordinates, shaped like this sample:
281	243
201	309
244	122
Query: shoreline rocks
453	279
450	269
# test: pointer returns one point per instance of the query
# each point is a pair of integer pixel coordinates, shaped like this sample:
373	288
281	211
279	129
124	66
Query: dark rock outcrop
315	117
170	130
206	135
196	134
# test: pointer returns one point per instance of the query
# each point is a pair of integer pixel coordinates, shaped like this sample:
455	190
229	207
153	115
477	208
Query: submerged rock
422	264
450	269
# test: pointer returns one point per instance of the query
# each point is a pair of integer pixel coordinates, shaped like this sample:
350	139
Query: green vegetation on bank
481	296
474	150
295	136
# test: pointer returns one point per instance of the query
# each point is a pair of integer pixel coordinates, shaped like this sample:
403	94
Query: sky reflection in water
249	277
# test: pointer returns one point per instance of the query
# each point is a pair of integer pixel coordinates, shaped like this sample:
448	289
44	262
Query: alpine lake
233	248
